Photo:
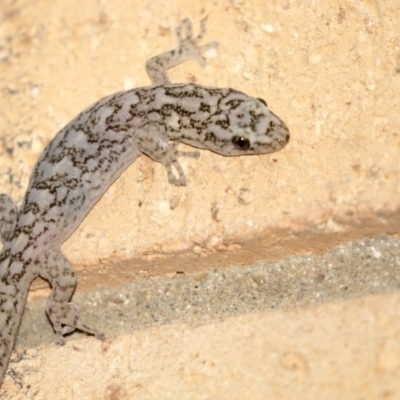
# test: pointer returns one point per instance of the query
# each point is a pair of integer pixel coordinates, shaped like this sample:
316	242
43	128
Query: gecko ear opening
241	143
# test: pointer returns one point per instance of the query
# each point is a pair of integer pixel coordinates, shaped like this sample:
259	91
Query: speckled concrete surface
362	267
315	327
271	321
329	70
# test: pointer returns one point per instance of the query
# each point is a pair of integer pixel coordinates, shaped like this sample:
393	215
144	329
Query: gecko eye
263	101
241	143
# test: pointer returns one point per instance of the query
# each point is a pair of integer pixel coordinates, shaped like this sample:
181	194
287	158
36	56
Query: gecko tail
12	301
8	217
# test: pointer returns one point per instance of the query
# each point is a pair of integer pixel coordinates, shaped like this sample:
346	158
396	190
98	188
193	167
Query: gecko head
244	125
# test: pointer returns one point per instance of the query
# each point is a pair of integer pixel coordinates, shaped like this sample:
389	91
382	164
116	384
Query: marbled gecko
88	154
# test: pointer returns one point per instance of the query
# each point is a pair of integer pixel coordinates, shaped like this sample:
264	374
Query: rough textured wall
330	70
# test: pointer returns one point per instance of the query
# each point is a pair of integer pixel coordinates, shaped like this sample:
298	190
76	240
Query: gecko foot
172	179
188	45
191	154
63	314
172	162
65	320
188	49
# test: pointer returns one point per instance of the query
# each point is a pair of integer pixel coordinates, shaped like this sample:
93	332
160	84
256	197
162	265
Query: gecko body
89	153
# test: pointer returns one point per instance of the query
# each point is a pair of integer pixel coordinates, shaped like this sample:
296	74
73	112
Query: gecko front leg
64	315
153	141
160	148
187	49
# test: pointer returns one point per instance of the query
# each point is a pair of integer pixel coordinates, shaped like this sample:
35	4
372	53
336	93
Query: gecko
90	152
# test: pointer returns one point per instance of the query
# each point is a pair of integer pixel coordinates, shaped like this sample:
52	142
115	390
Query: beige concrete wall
330	70
335	351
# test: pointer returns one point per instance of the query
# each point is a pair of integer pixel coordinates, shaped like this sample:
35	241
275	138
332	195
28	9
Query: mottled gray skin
85	158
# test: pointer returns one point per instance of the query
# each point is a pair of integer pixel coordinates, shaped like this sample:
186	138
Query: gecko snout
280	131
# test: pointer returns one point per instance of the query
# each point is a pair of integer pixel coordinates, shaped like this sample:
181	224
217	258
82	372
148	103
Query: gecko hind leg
63	314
